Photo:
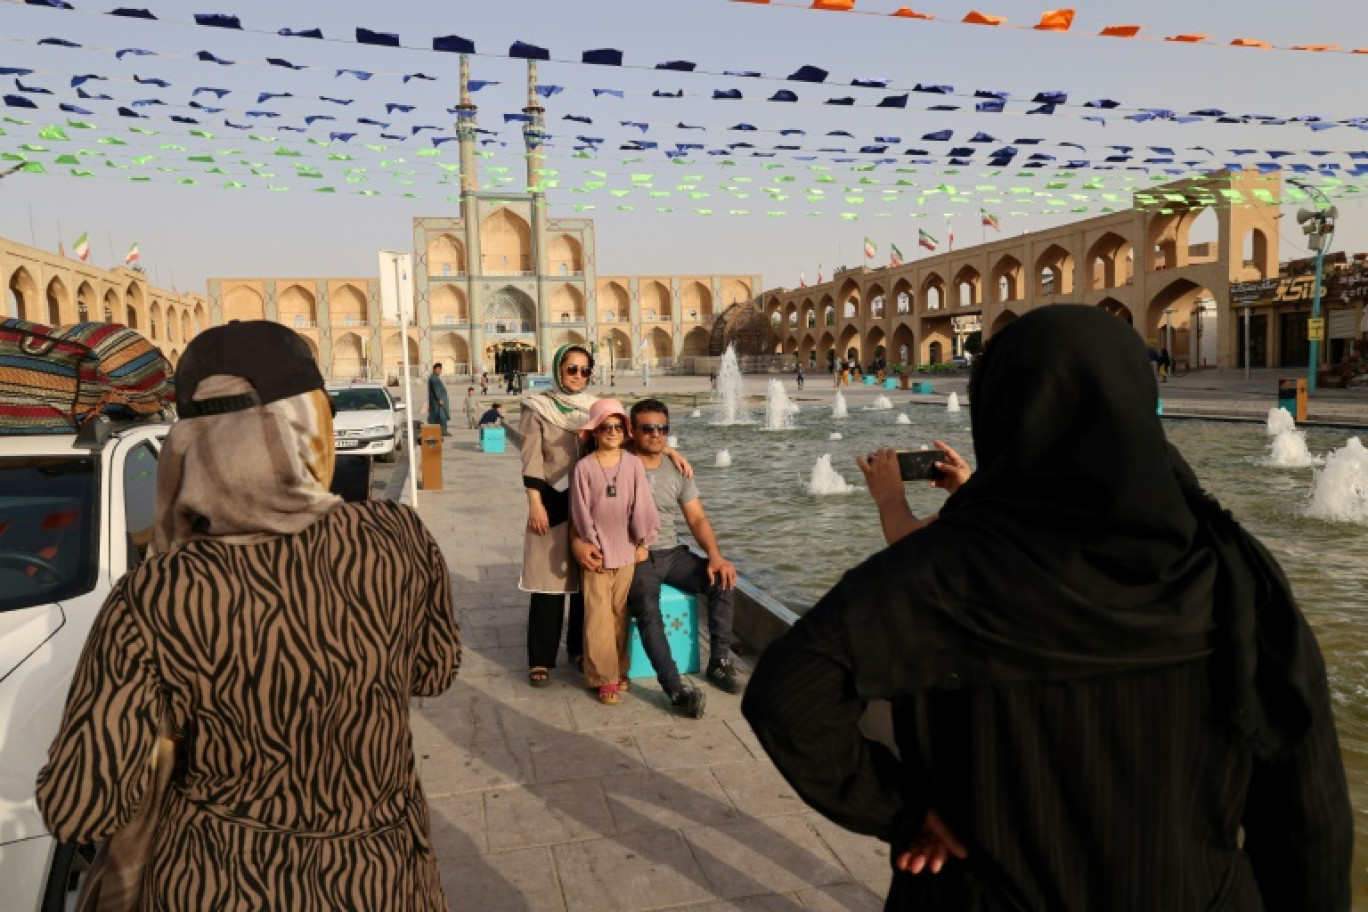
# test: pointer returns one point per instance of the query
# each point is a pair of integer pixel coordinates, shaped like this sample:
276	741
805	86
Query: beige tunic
549	453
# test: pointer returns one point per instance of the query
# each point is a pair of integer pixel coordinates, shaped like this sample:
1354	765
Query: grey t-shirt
669	489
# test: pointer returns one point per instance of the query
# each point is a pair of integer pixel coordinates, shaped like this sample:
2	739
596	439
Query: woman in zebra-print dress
282	633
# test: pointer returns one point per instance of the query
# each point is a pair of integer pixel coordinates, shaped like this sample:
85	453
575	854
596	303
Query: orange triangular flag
1056	20
1316	47
751	1
977	18
1121	31
836	6
1359	51
1187	38
909	13
1251	43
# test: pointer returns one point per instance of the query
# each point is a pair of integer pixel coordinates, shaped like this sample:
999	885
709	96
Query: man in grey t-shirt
674	563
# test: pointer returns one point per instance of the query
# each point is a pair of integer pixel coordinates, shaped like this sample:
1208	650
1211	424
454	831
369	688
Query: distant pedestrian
712	379
1165	364
799	373
510	379
472	408
484	383
438	402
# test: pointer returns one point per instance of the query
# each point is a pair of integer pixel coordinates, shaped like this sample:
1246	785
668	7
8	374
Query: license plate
348	444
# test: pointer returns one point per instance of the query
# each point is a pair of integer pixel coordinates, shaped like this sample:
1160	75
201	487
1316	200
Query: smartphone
920	464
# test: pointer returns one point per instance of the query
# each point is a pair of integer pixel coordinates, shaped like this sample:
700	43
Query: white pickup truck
76	512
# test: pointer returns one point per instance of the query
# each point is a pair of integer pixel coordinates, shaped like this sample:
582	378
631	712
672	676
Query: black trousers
687	572
545	618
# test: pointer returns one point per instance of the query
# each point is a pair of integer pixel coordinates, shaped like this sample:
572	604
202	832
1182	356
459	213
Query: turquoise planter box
890	383
680	613
869	381
923	388
492	439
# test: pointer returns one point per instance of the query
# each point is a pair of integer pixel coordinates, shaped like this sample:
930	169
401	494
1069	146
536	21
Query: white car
76	512
368	422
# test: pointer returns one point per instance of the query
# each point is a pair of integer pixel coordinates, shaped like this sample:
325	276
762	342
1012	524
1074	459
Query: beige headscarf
558	406
244	476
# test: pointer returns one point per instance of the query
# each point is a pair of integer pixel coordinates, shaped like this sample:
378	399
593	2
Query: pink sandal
608	694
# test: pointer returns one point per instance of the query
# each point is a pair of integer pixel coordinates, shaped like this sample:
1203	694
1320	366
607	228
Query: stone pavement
545	799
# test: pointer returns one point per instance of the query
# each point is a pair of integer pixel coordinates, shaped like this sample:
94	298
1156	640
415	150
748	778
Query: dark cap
273	358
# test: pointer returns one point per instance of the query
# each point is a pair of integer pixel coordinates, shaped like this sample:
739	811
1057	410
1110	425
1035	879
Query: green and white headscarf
558	406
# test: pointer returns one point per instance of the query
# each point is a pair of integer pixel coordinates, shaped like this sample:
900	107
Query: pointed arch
1006	279
186	333
564	256
112	311
24	301
85	303
696	343
697	296
658	344
452	350
933	292
734	291
506	243
968	287
1110	262
903	297
1002	319
348	360
172	325
655	302
447	304
446	256
1054	272
59	309
155	328
567	304
297	308
904	345
614	304
347	306
243	302
134	302
874	294
849	345
1117	309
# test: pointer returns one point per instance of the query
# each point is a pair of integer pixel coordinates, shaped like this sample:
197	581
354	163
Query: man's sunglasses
574	370
654	428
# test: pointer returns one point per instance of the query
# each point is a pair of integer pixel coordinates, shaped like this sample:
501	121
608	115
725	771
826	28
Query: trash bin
492	439
1292	397
679	611
432	457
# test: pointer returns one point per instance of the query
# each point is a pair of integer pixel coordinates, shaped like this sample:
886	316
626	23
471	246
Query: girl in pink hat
612	508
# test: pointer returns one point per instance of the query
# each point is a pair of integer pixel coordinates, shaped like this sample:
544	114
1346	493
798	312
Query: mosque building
499	286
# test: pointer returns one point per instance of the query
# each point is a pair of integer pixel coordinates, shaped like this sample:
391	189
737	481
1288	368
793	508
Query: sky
187	233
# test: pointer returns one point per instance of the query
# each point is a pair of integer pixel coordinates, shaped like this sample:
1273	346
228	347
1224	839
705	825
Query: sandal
538	676
608	694
624	684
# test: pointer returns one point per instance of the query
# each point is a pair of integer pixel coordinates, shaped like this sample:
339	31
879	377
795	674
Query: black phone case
919	465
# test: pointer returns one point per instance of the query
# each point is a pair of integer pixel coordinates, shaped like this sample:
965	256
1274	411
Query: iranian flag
895	257
926	240
133	255
82	248
870	249
989	220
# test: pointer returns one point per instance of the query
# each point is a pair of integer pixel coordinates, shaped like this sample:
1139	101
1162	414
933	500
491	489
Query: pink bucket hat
600	412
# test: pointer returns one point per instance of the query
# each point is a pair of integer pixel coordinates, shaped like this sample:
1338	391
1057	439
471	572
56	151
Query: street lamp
612	380
1319	227
1168	332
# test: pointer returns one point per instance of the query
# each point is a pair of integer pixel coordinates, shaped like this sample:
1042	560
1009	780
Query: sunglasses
611	427
654	428
574	370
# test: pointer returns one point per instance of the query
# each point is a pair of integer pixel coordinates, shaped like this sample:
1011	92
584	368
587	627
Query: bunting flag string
1059	21
984	101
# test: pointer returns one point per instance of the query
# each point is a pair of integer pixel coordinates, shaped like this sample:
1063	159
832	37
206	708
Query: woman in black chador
1104	696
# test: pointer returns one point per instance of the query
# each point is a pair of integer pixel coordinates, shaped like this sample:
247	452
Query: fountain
1288	448
839	410
952	404
1340	490
696	413
730	391
880	404
723	459
826	480
672	441
903	419
779	410
834	435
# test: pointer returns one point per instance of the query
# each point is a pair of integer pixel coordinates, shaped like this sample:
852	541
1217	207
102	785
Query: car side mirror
401	406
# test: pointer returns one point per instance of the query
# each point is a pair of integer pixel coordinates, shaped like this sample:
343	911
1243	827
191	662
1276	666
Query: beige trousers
605	624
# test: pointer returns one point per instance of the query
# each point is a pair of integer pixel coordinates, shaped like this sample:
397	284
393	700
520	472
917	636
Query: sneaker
689	700
723	675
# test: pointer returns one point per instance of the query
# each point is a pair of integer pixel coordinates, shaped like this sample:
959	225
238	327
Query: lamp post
1245	307
1168	332
1319	227
612	379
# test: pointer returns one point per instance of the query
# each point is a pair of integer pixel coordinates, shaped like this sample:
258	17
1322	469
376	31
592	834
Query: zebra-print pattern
287	668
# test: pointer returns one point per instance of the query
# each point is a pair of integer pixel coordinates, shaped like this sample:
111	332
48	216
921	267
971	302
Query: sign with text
1315	329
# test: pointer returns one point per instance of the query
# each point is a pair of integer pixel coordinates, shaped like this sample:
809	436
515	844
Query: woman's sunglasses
574	370
611	427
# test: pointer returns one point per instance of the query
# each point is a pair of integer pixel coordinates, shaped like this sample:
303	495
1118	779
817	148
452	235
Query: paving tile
841	898
546	814
458	825
475	767
757	789
775	855
641	707
865	857
673	799
653	869
770	902
546	716
690	743
742	730
519	881
584	755
460	716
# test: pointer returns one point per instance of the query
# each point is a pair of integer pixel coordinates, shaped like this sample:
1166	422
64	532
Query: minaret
534	133
465	133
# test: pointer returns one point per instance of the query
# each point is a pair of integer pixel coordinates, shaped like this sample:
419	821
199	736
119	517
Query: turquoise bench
492	439
679	611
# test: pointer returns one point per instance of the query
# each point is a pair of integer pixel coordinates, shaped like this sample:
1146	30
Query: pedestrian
1153	354
472	408
493	416
613	512
260	663
1165	364
1127	711
438	402
799	372
484	383
510	382
712	380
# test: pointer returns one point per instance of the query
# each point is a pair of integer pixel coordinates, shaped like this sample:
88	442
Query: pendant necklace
612	482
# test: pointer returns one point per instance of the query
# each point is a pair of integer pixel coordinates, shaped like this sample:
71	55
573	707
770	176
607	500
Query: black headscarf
1081	546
